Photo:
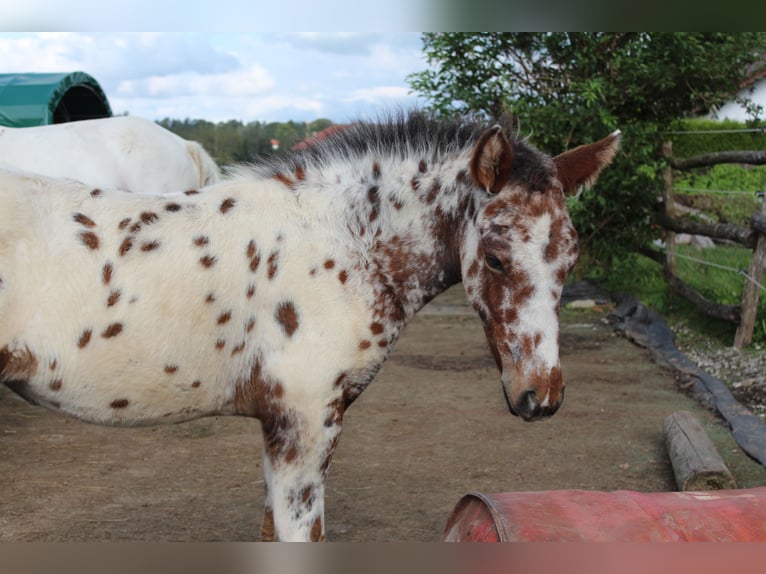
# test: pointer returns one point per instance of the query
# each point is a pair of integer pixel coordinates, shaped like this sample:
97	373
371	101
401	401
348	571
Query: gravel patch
743	371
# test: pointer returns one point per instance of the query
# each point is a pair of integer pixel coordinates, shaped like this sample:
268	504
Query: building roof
41	99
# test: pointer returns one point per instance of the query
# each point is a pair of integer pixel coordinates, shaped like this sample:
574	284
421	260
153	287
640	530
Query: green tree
565	89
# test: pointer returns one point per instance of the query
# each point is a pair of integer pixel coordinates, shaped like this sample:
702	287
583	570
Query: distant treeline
234	142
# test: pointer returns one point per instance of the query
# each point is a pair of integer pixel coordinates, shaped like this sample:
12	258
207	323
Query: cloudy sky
222	76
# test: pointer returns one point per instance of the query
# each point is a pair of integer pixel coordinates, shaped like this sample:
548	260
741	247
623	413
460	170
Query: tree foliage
565	89
236	142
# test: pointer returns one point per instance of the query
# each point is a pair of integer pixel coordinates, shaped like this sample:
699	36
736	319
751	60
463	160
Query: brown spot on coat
220	344
83	219
343	276
224	318
329	264
238	349
282	178
191	192
119	403
114	296
433	192
250	291
196	384
90	239
95	193
334	412
172	207
84	338
377	328
375	169
124	223
373	194
56	384
250	325
201	240
207	261
273	262
365	344
53	364
106	273
316	531
253	255
170	369
150	245
149	217
287	316
112	331
17	364
126	246
210	298
227	204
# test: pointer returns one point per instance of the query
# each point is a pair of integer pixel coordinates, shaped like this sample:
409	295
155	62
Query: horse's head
525	245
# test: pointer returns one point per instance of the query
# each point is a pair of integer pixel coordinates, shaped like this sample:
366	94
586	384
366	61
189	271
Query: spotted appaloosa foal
279	294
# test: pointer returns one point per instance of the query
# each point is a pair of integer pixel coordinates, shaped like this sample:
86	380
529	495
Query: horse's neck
407	219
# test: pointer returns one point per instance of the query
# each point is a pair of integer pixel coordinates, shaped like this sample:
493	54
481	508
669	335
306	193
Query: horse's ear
579	168
491	160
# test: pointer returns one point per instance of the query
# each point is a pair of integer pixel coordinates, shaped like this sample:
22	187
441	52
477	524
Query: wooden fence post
670	210
751	291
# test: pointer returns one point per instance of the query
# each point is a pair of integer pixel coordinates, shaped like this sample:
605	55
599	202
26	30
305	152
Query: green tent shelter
41	99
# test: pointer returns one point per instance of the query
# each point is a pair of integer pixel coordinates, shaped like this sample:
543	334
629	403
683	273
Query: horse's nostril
528	406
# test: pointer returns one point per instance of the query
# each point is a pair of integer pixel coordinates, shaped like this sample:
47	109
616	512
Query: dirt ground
430	428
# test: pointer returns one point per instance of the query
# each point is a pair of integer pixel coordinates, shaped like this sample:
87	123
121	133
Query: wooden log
751	290
696	462
670	209
757	157
728	231
730	313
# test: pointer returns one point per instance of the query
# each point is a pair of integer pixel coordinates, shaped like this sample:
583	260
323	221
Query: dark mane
403	135
400	134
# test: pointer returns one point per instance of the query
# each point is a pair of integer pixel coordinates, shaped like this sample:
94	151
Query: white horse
278	295
123	152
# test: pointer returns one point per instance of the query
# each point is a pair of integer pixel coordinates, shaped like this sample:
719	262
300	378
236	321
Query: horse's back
127	152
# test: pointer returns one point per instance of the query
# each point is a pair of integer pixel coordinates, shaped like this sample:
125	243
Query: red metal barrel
619	516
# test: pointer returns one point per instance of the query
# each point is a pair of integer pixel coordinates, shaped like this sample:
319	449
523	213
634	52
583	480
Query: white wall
734	111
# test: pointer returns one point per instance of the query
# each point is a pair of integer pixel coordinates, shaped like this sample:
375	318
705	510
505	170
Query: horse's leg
296	462
267	526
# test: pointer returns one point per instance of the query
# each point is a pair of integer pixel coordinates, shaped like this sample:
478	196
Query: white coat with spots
279	294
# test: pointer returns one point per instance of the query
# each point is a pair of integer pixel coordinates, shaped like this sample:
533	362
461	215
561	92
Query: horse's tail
207	170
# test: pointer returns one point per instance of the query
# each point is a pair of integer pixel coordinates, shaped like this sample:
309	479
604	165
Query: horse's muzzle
528	406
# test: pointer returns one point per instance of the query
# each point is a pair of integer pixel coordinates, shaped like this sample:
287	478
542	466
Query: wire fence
753	287
717	191
738	271
710	132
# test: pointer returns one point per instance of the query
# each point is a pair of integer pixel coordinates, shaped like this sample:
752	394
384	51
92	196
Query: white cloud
252	81
251	77
380	94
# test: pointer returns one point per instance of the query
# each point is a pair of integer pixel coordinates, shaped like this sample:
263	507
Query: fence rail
753	237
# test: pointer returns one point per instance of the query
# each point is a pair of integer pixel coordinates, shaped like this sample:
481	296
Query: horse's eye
494	263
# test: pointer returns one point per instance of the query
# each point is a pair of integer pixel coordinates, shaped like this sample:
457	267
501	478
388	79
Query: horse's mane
402	135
